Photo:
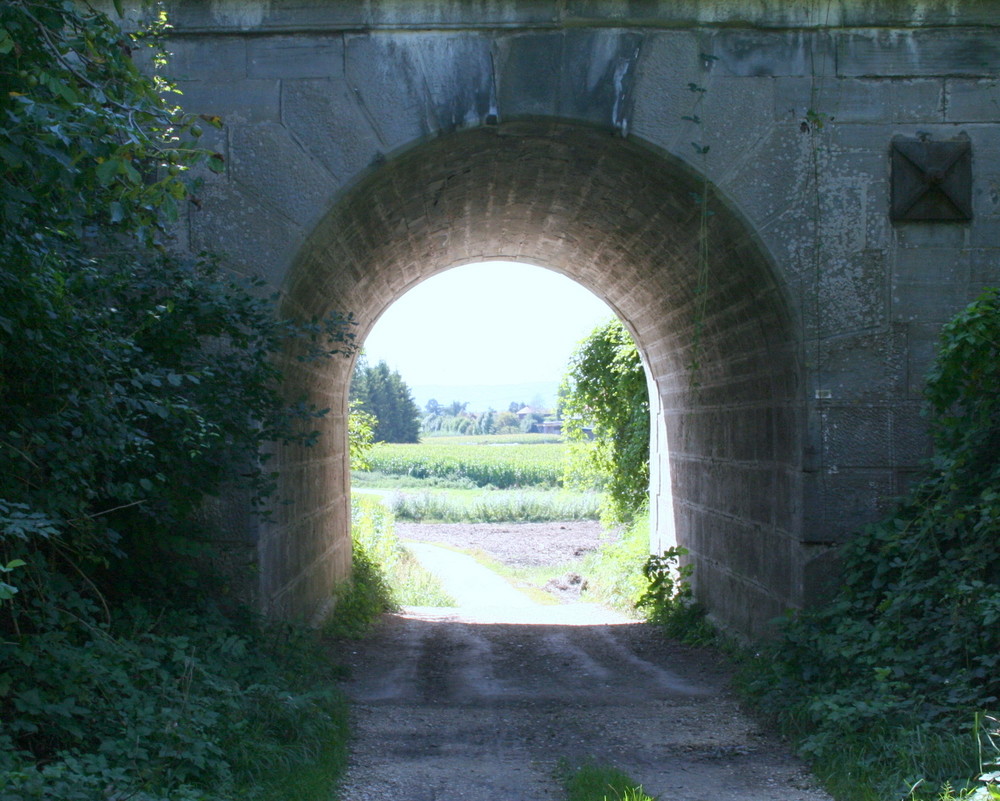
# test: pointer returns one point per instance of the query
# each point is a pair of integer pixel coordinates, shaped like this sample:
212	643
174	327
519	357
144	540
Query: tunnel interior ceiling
612	215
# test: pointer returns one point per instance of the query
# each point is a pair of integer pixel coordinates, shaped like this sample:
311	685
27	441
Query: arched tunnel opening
462	377
691	282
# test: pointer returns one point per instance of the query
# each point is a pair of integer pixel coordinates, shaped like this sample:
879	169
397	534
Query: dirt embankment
517	544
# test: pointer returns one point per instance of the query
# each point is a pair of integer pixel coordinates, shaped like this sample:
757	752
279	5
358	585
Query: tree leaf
107	170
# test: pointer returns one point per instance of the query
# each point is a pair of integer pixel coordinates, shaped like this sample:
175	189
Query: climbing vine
704	213
605	389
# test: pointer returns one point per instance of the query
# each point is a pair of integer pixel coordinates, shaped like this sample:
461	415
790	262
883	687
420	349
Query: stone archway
624	221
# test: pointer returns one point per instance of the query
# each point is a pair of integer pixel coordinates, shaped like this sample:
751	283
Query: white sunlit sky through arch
490	333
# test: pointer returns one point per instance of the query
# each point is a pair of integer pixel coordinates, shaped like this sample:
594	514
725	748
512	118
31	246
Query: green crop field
516	460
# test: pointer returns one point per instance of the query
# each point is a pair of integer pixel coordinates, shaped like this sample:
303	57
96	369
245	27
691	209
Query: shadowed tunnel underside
626	223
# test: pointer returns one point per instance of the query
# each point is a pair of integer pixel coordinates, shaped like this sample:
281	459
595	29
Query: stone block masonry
370	146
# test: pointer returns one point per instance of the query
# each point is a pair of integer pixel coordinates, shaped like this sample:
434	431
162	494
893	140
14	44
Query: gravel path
447	706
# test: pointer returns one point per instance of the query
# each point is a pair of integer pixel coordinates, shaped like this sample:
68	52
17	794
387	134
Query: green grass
614	570
384	575
494	506
371	480
593	782
920	763
314	778
876	766
899	761
414	585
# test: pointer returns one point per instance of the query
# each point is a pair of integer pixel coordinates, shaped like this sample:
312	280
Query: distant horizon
487	325
484	397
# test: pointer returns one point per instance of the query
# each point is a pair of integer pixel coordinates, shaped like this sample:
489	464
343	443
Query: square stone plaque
931	181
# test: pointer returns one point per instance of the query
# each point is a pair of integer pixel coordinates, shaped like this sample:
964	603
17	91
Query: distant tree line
382	393
453	419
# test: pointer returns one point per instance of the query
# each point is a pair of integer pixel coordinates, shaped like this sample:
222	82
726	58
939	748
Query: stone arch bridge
794	195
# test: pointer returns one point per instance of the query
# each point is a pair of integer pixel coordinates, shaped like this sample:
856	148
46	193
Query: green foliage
158	704
605	387
133	385
486	461
912	637
382	393
375	551
454	421
669	601
595	782
486	424
384	575
614	570
360	436
86	141
144	388
507	423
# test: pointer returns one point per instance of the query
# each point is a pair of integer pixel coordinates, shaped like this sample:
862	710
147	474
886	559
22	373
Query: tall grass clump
374	555
414	585
384	575
596	782
883	684
614	570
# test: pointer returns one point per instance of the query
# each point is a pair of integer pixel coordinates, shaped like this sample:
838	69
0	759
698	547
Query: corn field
499	462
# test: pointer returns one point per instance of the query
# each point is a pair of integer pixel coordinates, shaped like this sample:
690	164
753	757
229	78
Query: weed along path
485	701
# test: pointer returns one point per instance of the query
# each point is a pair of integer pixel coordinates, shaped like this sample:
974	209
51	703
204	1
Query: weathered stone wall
369	146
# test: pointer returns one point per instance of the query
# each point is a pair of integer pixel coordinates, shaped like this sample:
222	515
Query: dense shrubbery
132	386
168	704
893	672
605	388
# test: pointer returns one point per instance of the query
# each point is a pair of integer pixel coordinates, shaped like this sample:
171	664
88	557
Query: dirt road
456	704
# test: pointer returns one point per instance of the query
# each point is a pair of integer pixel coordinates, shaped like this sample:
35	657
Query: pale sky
485	324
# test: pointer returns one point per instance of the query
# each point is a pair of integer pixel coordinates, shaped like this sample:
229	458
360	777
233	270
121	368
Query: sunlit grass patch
385	575
415	585
614	570
594	782
497	506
